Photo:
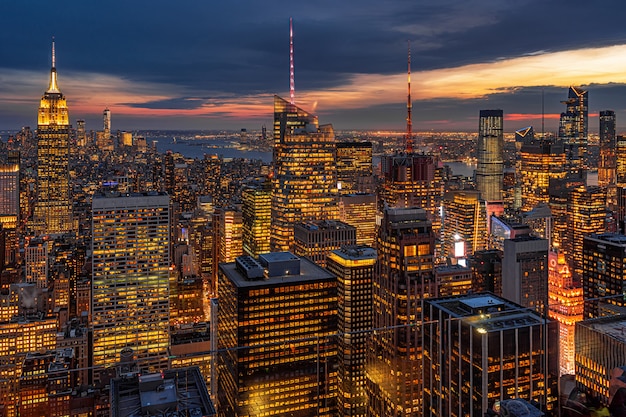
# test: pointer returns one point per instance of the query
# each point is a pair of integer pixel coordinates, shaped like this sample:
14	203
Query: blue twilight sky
195	64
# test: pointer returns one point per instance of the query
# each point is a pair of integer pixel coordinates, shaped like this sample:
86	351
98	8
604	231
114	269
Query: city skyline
219	65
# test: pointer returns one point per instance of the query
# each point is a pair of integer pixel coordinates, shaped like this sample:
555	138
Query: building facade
490	155
130	279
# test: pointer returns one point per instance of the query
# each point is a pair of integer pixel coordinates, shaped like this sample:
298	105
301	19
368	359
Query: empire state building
53	209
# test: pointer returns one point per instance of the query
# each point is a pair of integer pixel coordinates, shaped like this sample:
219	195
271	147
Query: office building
490	155
413	180
53	210
465	221
315	240
600	356
277	325
452	280
354	168
586	215
404	279
565	306
106	122
486	268
304	181
525	272
573	126
10	192
359	210
158	394
130	279
607	164
36	262
230	230
479	349
603	281
540	162
354	268
256	216
81	134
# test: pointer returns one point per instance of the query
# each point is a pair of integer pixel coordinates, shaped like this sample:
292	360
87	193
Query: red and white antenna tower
409	108
292	83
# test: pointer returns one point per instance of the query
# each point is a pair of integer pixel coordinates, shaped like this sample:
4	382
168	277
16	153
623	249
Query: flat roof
612	326
309	272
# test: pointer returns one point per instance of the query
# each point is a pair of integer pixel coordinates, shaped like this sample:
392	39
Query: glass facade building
490	155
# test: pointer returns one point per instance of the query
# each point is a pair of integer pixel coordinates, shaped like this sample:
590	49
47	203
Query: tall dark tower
53	208
607	164
490	155
573	127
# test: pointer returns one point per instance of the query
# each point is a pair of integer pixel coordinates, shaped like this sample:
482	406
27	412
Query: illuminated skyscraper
304	182
256	217
36	262
230	243
490	155
603	279
53	210
277	325
81	134
479	349
106	122
607	164
354	167
573	127
586	215
540	162
359	210
404	278
464	220
316	239
130	279
566	307
354	268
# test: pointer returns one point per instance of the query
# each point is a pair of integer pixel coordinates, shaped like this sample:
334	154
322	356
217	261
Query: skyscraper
404	278
304	181
277	324
315	240
354	268
525	272
573	125
256	216
540	162
603	279
490	155
130	284
464	219
354	167
106	122
53	210
479	349
586	215
607	163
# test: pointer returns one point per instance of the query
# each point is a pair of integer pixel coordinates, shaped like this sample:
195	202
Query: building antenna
292	83
53	54
409	107
543	115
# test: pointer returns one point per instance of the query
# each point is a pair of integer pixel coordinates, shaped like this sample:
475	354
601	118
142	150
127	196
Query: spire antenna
292	83
409	107
53	54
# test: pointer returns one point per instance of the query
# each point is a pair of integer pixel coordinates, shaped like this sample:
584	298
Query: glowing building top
53	106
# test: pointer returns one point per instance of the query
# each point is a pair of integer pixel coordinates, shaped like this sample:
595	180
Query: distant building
472	350
573	126
53	210
465	219
490	155
256	217
277	325
486	268
157	394
359	210
540	162
316	239
354	168
607	164
354	267
453	280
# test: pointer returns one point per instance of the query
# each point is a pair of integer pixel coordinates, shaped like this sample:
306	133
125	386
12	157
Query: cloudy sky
205	64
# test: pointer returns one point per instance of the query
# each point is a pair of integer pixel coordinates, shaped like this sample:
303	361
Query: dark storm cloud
185	103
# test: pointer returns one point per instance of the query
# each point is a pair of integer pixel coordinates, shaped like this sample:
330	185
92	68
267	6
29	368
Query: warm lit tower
53	209
106	122
607	164
130	284
490	155
573	128
540	162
